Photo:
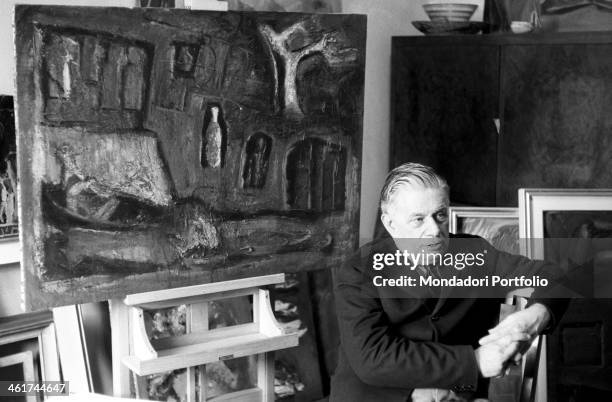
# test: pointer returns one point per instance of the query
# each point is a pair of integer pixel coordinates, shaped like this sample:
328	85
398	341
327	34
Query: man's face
417	218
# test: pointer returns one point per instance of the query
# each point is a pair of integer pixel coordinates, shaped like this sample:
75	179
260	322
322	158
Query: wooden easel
135	354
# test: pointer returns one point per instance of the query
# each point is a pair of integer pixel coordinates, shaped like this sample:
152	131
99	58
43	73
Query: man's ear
387	222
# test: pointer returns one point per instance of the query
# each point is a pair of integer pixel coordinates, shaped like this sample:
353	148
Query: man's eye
441	216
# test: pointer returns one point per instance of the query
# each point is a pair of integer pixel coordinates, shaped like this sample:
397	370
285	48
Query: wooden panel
557	119
247	395
156	145
326	324
579	355
298	370
580	349
444	102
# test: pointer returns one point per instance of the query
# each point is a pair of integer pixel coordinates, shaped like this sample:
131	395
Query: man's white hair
410	174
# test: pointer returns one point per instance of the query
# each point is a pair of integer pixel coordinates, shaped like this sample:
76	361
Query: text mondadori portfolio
468	281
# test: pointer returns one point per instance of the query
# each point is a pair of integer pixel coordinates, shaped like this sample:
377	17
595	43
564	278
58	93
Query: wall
10	289
386	18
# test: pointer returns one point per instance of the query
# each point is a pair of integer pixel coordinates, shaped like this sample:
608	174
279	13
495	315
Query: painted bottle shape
213	139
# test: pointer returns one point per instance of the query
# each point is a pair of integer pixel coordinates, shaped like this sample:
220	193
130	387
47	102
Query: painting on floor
164	148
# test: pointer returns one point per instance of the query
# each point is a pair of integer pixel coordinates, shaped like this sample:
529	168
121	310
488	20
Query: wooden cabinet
551	96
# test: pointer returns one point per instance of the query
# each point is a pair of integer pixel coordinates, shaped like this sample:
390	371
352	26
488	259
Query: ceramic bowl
452	12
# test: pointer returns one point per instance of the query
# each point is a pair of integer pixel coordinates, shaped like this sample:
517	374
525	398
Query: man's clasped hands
509	340
504	345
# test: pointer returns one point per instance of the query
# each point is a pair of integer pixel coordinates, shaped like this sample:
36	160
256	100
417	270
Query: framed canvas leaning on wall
499	226
573	228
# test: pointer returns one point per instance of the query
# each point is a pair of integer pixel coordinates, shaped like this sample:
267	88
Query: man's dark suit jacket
391	345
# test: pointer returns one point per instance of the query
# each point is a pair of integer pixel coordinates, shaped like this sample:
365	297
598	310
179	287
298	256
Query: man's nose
432	227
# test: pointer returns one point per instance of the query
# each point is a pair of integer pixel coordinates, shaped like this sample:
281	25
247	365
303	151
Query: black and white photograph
306	200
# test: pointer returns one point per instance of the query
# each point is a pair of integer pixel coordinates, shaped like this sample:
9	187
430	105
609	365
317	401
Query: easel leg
119	317
265	376
197	320
140	385
196	384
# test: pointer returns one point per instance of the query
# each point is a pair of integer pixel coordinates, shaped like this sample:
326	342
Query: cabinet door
557	118
444	102
579	353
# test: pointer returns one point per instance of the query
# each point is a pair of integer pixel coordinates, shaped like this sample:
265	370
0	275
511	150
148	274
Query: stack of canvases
165	148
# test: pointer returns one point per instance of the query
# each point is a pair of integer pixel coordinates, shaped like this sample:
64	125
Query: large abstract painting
163	148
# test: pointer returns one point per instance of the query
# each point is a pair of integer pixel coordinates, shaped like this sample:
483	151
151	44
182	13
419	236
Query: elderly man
420	343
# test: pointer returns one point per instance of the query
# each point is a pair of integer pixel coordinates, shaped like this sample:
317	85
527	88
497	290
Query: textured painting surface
164	148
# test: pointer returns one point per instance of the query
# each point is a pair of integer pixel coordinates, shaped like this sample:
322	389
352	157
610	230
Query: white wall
386	18
10	289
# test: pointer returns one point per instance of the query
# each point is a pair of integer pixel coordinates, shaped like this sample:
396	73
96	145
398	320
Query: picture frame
535	202
497	225
40	328
26	360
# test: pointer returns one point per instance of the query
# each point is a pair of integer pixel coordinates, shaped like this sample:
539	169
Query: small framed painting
499	226
562	213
